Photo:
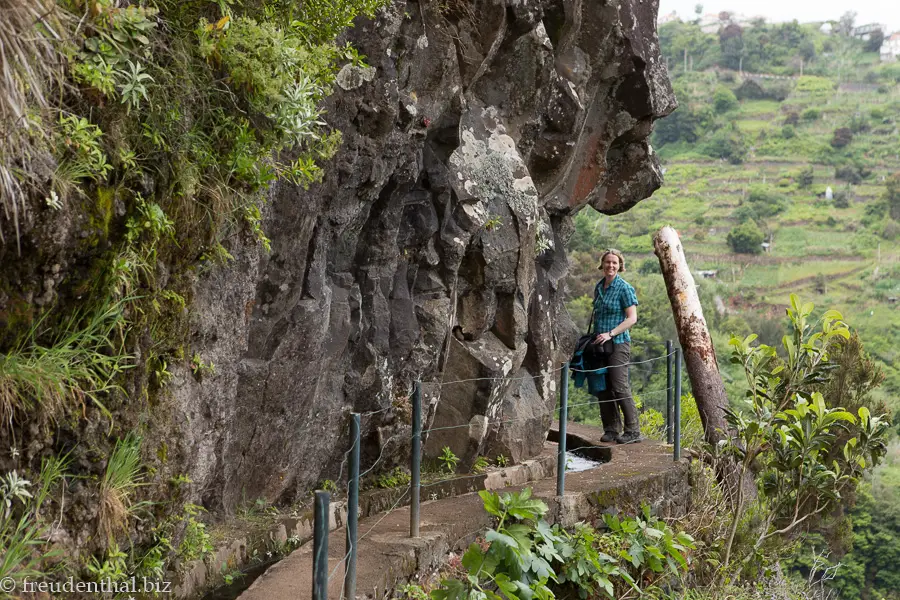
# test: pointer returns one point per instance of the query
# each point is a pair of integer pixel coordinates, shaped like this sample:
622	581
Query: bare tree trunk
699	354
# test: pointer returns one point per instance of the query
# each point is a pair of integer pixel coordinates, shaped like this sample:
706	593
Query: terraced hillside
778	159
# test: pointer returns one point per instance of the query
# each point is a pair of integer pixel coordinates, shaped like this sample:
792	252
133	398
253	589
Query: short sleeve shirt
610	305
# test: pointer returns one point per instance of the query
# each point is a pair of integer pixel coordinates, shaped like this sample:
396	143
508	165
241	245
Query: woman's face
610	265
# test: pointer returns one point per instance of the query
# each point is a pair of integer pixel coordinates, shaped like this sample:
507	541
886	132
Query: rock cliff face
434	249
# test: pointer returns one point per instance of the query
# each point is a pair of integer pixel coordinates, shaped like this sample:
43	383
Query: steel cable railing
414	488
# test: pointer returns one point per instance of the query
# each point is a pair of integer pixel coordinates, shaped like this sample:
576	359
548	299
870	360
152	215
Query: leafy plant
200	368
196	541
84	158
501	460
23	529
394	478
493	222
448	460
480	465
787	432
134	85
524	557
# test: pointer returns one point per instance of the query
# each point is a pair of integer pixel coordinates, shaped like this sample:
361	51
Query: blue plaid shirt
610	305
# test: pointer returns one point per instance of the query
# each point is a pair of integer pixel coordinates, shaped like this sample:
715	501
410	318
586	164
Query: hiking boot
629	437
609	436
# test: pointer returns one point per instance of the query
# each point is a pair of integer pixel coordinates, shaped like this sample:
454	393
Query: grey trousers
618	394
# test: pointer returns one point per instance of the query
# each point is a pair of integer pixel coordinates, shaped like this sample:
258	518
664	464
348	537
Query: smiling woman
615	312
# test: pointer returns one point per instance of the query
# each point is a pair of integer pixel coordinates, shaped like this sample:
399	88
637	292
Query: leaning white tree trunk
696	344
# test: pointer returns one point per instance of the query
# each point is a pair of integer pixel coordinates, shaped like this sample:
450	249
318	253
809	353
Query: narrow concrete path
644	472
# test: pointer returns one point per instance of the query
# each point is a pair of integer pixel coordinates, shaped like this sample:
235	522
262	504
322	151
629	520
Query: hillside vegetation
749	161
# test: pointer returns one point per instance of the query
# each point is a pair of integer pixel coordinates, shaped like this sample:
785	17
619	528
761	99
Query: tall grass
30	62
79	363
117	489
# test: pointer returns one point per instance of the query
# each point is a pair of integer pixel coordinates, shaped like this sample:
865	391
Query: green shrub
746	238
843	196
891	230
811	114
892	195
728	144
787	132
766	200
745	213
858	123
649	267
842	137
815	85
724	100
805	177
852	173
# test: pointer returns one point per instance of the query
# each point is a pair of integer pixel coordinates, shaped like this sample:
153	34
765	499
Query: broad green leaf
863	414
473	558
491	502
505	540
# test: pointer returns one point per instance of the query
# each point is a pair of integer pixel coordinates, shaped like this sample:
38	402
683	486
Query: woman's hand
602	338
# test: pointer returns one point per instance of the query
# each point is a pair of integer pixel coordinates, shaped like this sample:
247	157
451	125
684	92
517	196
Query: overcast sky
867	11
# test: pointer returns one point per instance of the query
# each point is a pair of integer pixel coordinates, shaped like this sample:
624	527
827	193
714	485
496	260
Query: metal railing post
320	546
352	508
415	462
563	417
677	417
669	393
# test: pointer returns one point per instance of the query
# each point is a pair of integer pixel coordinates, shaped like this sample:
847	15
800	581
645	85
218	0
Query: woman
615	312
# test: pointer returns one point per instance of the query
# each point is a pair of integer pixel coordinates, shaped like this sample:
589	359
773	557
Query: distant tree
807	50
731	43
845	59
766	200
843	196
724	100
787	132
745	213
805	178
811	114
892	195
746	238
842	137
726	143
858	123
649	267
845	25
688	121
873	44
852	173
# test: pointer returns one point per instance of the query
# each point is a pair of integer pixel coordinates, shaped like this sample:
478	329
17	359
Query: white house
890	48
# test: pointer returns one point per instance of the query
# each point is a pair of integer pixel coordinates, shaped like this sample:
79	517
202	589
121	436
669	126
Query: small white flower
53	201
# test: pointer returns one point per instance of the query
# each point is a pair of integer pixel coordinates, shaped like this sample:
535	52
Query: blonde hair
615	253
